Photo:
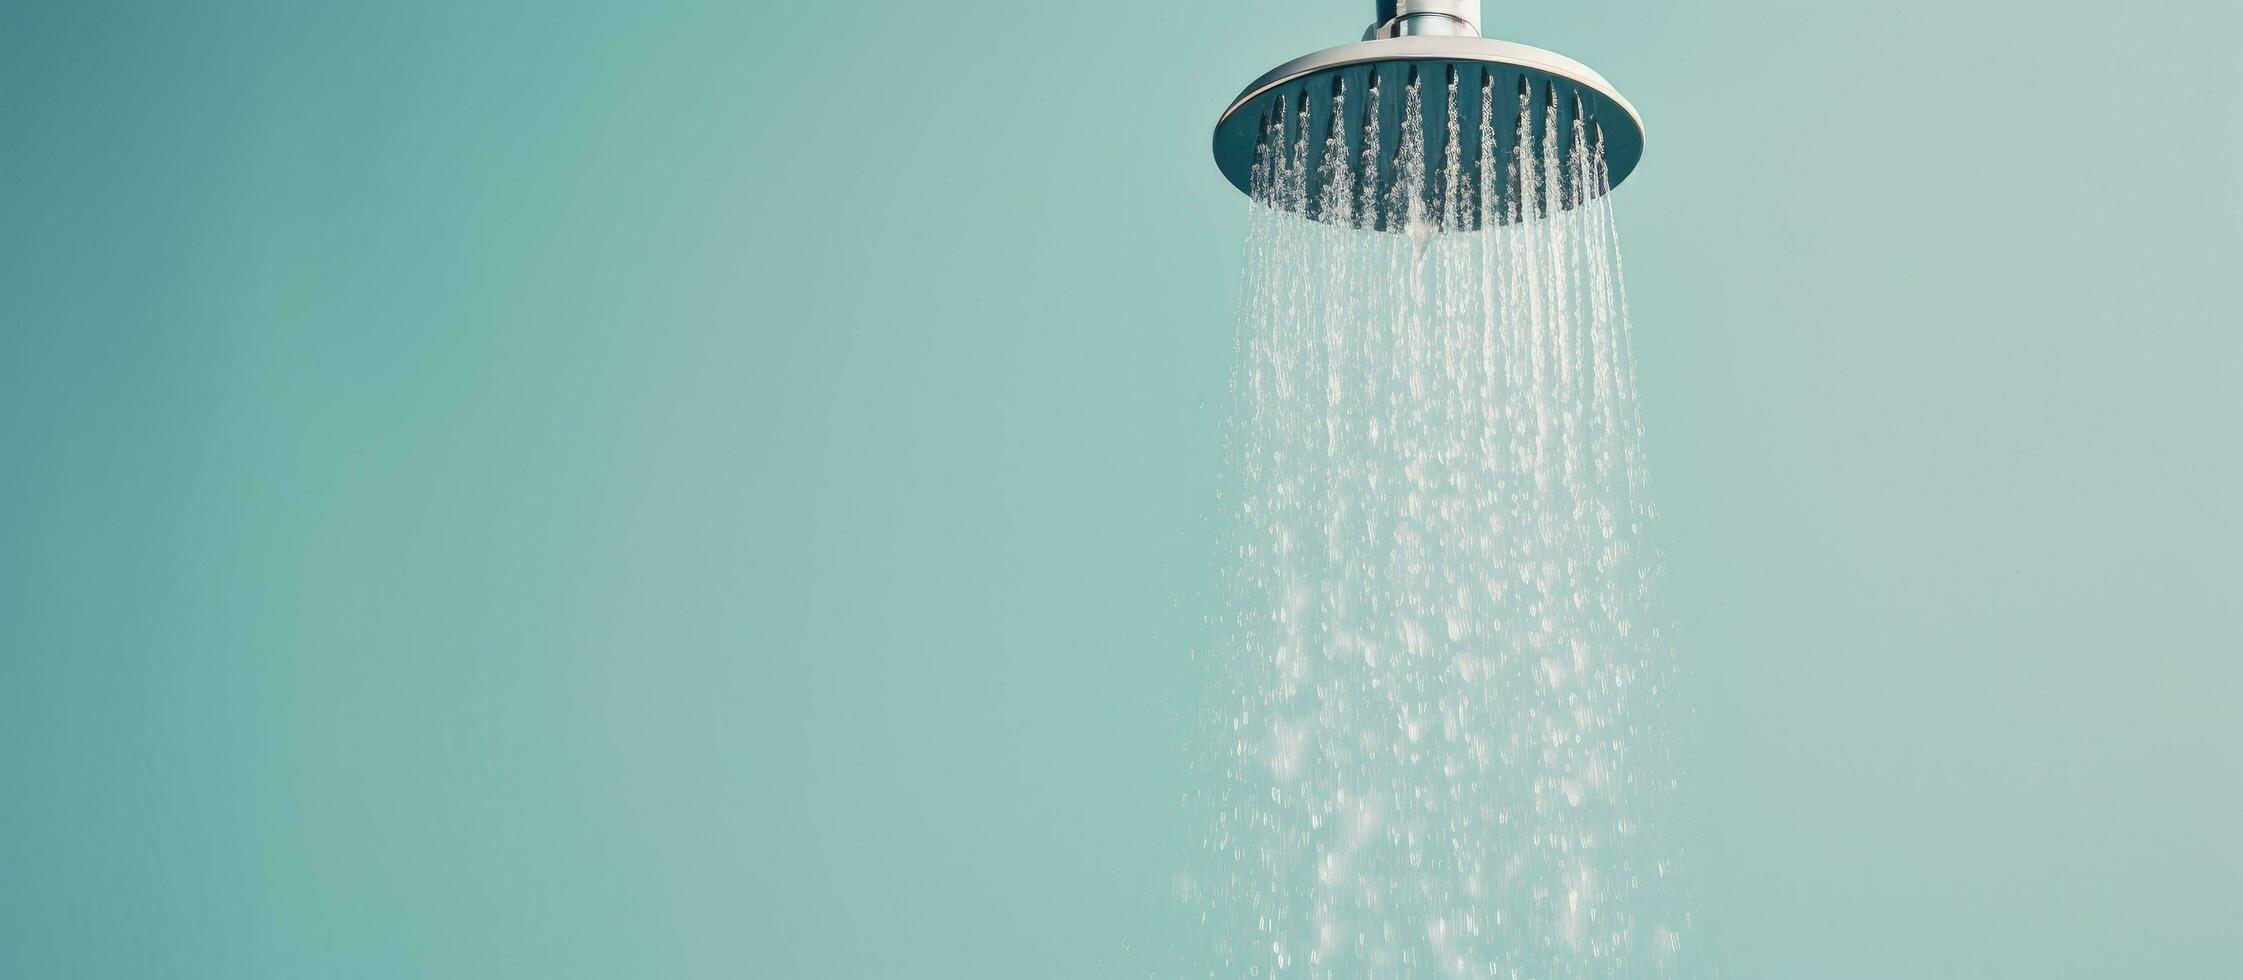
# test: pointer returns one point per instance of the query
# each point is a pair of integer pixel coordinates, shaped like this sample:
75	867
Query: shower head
1500	92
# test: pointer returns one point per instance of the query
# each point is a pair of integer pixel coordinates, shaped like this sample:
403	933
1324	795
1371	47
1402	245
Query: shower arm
1421	18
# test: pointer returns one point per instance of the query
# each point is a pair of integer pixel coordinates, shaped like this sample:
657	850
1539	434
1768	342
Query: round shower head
1429	48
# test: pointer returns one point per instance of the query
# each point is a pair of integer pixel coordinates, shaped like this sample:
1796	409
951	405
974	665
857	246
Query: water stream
1439	728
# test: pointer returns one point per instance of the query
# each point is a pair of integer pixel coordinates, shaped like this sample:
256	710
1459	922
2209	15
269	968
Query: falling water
1440	700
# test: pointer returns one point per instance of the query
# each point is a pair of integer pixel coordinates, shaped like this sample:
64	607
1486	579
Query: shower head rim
1433	48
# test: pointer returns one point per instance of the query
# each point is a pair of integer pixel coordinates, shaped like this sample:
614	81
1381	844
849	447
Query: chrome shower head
1437	42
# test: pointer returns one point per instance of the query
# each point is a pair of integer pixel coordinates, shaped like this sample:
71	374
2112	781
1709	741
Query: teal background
661	489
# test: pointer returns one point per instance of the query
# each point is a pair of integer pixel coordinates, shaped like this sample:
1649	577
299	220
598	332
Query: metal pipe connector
1426	18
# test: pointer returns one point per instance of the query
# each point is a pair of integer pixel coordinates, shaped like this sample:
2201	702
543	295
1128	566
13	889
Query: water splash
1441	695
